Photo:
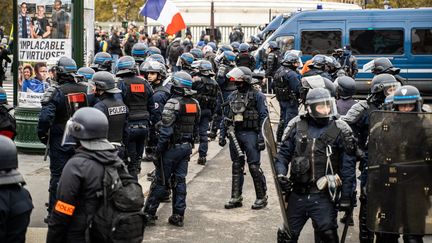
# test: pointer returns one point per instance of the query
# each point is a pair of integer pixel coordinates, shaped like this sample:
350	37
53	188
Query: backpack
7	122
175	51
120	217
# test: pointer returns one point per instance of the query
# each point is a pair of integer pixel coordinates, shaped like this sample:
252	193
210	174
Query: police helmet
384	83
156	57
151	66
408	94
86	72
290	59
89	126
204	67
186	59
255	39
320	104
105	81
8	153
235	45
244	47
318	61
273	45
125	65
229	57
3	96
139	52
213	45
380	65
240	74
153	50
65	65
225	48
102	61
345	87
332	63
197	53
314	82
207	48
182	84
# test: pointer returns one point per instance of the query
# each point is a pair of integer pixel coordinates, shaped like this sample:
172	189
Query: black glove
261	145
344	204
43	138
222	141
212	134
285	184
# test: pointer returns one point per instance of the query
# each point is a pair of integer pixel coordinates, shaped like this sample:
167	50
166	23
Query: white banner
41	50
26	99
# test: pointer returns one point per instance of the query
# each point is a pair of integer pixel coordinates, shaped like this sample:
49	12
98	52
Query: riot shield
268	135
399	186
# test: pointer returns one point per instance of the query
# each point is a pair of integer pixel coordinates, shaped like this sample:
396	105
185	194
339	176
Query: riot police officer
286	85
347	61
382	86
86	72
243	118
102	62
244	58
318	67
235	46
15	201
345	89
139	52
114	109
321	150
7	119
137	95
185	61
197	53
153	50
58	104
179	117
207	92
384	65
271	62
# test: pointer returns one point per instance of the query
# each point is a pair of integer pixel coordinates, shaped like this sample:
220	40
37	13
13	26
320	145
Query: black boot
283	236
151	175
366	236
202	161
236	198
151	220
176	220
260	187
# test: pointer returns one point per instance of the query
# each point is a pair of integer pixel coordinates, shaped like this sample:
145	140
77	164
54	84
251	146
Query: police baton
162	170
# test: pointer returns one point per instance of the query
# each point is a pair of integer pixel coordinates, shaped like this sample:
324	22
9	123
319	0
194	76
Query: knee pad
329	236
255	171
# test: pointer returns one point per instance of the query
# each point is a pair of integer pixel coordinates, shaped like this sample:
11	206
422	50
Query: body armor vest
243	111
245	60
310	157
282	90
136	98
160	88
184	126
75	96
221	75
117	115
207	95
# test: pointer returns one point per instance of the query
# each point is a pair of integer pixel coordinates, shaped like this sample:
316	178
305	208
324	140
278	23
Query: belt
179	144
137	126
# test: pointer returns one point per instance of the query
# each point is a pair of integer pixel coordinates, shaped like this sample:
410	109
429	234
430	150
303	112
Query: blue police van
402	35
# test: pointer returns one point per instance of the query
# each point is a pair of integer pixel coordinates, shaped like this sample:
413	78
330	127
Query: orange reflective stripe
64	208
191	108
137	88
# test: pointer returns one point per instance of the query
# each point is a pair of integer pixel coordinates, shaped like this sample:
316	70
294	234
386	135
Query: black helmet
385	83
186	59
229	58
240	74
126	65
244	47
3	96
66	65
319	61
407	94
105	81
182	84
8	153
320	104
102	61
314	82
380	65
197	53
235	45
153	67
86	72
139	52
345	87
273	45
156	57
89	126
204	67
333	64
290	59
153	50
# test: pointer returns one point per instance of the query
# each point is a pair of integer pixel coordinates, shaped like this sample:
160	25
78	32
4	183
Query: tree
126	10
399	3
6	18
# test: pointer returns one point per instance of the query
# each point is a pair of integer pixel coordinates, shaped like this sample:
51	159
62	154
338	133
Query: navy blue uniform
314	71
52	120
306	201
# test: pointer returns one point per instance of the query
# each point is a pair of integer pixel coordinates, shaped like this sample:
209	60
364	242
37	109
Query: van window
285	43
421	41
323	41
377	42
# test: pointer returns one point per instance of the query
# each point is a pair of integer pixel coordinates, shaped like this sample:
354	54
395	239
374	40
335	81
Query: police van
402	35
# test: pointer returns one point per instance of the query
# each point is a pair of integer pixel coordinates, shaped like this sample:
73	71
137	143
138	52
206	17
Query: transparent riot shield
267	132
399	186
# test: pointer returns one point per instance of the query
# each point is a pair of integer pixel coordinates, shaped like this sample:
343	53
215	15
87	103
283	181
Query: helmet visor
323	108
390	88
235	75
369	66
68	139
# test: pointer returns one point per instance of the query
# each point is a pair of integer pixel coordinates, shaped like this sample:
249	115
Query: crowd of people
151	98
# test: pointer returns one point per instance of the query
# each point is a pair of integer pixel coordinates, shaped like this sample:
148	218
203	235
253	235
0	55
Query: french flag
166	13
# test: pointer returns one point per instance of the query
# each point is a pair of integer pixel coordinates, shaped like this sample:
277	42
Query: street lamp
386	4
115	8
